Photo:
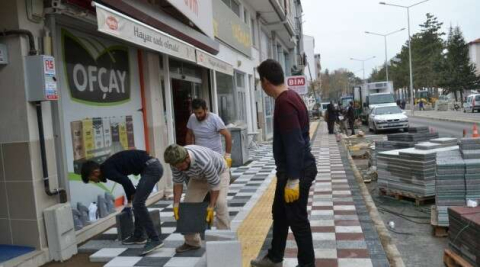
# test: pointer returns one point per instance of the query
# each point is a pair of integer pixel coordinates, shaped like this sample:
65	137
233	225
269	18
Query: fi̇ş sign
128	29
100	79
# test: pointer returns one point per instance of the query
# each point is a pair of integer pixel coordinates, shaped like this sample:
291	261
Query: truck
374	94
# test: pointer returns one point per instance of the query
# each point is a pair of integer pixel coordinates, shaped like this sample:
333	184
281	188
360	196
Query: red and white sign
298	84
49	66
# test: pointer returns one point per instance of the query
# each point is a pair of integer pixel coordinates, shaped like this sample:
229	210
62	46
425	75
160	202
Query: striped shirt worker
206	164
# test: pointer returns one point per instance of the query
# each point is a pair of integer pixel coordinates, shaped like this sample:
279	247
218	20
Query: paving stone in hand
192	218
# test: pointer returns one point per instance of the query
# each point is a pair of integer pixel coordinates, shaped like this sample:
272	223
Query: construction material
464	233
438	231
452	259
409	172
221	252
125	225
450	184
192	218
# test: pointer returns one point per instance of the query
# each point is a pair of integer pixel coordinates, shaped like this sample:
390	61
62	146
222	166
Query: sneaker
132	240
151	246
185	247
265	262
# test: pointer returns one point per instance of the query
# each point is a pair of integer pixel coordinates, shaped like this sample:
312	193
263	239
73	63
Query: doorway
183	92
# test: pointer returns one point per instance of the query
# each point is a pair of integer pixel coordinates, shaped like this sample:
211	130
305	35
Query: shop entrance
183	94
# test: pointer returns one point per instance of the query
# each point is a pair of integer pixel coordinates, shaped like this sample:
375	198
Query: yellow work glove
228	159
209	218
292	190
175	211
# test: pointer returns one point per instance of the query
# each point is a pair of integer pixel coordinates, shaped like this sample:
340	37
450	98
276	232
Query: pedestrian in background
331	118
296	169
420	105
351	117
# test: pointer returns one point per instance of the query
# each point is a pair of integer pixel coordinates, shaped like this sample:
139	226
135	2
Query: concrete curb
393	255
444	119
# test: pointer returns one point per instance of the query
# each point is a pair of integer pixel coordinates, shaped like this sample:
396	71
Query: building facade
474	49
123	75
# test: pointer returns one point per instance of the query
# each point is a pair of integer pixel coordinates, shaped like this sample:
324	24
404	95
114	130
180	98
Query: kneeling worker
206	171
117	168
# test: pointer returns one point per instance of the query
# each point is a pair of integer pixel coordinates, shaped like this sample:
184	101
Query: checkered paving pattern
343	233
251	181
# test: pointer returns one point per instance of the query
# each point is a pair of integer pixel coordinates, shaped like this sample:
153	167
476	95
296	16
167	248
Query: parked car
472	103
387	117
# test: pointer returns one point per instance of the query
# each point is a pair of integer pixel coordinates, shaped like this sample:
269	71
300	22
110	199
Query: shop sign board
298	84
100	106
229	28
211	62
120	26
199	12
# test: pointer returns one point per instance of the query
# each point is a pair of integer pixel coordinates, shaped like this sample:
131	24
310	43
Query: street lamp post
385	37
363	64
409	47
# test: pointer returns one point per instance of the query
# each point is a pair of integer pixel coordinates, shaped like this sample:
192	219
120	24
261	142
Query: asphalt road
444	128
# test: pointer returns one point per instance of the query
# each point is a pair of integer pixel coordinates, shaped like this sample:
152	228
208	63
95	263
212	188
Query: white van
472	104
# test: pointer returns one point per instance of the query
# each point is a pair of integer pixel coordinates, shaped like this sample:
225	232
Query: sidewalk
453	116
343	232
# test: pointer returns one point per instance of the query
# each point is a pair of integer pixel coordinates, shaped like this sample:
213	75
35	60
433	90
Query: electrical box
3	54
41	78
62	243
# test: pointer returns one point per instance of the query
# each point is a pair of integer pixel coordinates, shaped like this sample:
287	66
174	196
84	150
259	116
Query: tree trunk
461	96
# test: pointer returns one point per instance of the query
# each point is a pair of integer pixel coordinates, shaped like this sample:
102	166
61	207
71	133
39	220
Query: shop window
253	32
233	5
226	98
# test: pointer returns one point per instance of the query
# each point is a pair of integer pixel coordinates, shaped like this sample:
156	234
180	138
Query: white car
387	118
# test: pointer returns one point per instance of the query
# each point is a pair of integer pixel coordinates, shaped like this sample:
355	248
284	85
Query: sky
339	27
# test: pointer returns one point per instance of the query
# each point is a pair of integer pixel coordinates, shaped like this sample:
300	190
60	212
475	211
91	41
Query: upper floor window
233	5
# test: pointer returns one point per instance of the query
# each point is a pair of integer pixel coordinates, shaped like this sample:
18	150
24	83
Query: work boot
151	246
132	240
265	262
185	247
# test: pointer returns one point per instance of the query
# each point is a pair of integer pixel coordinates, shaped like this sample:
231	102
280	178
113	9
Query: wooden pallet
452	259
419	200
438	231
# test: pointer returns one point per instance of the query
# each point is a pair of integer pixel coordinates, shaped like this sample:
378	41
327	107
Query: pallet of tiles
464	233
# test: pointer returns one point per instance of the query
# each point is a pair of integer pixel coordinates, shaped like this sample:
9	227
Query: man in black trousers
296	169
117	168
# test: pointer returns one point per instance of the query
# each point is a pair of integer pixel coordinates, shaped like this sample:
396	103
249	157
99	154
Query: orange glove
228	159
210	213
292	191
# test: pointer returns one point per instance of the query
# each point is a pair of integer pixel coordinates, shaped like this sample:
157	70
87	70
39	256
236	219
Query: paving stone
220	235
220	252
192	218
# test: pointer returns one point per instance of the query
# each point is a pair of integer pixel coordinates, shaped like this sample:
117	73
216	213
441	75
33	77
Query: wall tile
21	200
3	201
5	233
17	164
26	233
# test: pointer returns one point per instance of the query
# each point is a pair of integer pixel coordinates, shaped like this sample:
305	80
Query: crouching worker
205	171
117	168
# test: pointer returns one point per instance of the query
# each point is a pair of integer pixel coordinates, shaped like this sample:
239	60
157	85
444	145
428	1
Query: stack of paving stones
410	171
449	184
249	182
464	233
470	149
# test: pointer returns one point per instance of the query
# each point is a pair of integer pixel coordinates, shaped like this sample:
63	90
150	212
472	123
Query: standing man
296	169
206	129
205	171
351	117
117	168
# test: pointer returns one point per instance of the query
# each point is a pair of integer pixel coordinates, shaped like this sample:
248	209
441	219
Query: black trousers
331	126
295	216
149	178
351	123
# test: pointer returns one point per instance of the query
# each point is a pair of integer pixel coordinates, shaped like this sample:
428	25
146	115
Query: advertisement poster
100	105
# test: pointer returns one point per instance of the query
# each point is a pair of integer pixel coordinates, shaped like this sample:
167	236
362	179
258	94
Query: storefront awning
118	25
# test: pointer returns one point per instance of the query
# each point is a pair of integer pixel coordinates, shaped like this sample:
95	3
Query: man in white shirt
205	128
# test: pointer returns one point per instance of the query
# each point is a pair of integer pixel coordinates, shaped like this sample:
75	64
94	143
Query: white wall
309	49
475	55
